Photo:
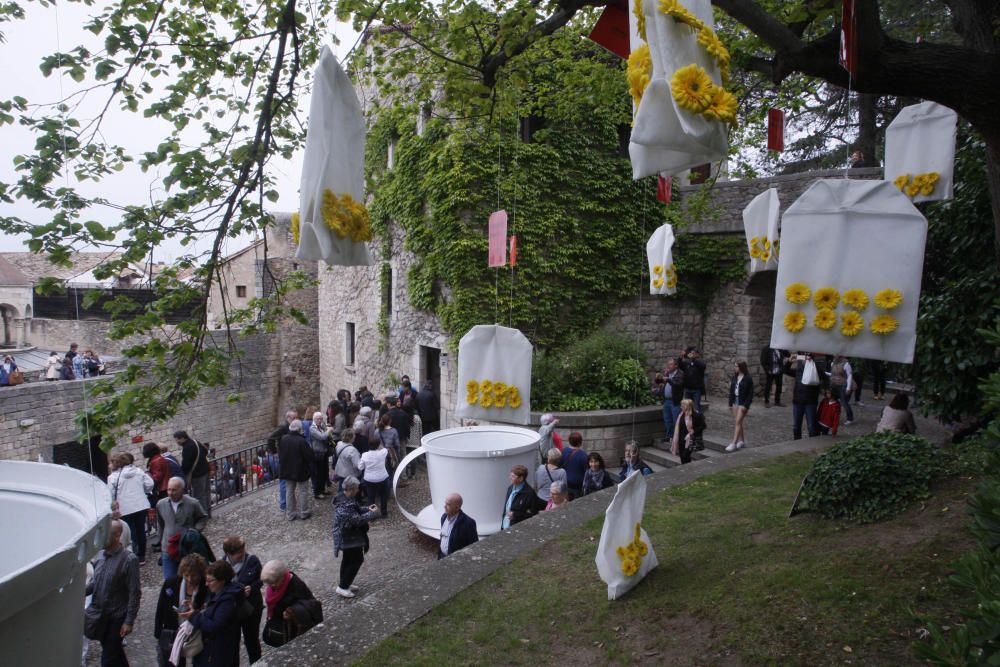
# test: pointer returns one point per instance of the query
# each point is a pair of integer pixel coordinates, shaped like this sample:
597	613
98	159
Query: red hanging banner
513	249
663	187
848	39
775	130
611	30
498	238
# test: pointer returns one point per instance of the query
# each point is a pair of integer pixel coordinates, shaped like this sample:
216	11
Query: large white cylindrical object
475	462
54	520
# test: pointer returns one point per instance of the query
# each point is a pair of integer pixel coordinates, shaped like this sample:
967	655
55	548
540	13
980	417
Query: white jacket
129	486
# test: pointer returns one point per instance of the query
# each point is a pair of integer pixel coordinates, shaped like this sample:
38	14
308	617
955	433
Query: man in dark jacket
429	408
116	594
772	362
194	462
248	569
458	529
398	418
804	396
694	376
670	388
522	501
296	458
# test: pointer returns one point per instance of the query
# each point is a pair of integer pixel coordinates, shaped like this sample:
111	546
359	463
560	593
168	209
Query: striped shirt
116	587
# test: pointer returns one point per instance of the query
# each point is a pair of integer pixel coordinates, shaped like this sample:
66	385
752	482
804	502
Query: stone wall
38	416
607	431
353	296
47	334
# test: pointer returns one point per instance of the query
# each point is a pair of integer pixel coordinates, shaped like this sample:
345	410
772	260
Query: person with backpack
194	461
175	514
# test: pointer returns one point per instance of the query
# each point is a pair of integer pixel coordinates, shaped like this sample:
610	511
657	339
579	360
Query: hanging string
850	83
513	213
644	194
65	149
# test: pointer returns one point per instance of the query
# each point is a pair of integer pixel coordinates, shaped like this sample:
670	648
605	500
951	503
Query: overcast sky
48	30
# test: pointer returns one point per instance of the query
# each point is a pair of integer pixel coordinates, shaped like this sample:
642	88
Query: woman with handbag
291	607
186	591
218	621
350	535
130	489
7	369
549	473
688	430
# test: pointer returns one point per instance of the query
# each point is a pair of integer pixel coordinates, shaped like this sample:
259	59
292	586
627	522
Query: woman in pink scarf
291	607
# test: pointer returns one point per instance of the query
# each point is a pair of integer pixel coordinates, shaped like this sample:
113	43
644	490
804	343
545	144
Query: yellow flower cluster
694	91
633	553
295	227
851	322
664	276
639	72
345	216
706	36
490	394
640	18
921	184
761	248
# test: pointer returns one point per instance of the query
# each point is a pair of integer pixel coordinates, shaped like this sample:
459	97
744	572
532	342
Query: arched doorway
7	313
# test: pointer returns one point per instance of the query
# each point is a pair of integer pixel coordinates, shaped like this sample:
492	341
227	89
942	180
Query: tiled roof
10	275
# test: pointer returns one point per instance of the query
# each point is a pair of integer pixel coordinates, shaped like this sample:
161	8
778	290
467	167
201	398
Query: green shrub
871	478
600	372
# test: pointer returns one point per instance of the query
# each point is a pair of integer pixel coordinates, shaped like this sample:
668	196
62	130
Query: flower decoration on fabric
671	276
658	270
295	227
633	553
722	106
640	19
824	319
657	283
921	184
489	394
795	321
888	298
851	324
856	299
901	181
486	400
692	88
798	293
755	248
347	217
826	297
777	247
883	325
639	72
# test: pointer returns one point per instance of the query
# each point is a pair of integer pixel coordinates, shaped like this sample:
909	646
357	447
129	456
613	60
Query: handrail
236	474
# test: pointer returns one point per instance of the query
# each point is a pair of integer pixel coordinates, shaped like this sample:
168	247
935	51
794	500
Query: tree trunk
993	180
867	131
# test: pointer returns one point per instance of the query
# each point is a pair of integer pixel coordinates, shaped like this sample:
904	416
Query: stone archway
8	332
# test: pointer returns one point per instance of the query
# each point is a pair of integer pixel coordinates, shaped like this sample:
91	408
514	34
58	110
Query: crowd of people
73	365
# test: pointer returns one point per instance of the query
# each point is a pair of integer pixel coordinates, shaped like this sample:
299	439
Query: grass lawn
738	584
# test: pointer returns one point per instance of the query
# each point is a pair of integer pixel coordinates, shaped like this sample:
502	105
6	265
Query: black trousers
251	635
770	379
112	651
350	565
380	489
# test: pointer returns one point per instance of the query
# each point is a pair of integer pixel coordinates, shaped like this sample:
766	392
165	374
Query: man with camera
670	387
809	377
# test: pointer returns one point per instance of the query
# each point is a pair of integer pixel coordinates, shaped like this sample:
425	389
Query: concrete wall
39	415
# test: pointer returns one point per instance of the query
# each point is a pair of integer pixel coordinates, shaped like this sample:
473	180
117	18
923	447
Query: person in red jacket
828	416
158	469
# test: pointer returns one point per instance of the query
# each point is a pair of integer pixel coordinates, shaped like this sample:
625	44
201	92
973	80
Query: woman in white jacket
130	489
52	366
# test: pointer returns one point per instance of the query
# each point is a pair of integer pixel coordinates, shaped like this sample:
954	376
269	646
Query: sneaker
848	422
344	592
740	444
354	589
731	447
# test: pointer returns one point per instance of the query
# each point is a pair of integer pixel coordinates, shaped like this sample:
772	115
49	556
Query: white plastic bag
660	256
920	151
666	138
853	249
494	375
760	221
620	532
333	162
810	376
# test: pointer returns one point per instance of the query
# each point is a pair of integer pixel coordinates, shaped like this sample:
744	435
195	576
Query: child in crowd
828	415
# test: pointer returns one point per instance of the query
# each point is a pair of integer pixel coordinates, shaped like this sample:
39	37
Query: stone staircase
658	457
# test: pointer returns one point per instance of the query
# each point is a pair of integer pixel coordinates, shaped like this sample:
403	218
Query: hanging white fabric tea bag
920	151
852	256
494	375
660	256
625	553
760	221
332	223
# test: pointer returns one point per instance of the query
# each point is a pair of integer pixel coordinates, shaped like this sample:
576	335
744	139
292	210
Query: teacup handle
407	460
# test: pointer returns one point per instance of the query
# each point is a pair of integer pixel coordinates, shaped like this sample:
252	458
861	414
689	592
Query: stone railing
607	431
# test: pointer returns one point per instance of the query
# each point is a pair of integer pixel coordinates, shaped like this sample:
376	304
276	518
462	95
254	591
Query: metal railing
234	475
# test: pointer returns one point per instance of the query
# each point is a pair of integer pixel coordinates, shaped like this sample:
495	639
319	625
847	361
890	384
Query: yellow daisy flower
512	391
913	189
826	297
856	298
486	386
515	402
901	181
824	319
766	243
472	387
692	88
888	298
486	401
765	255
795	321
346	217
640	18
851	324
884	324
499	388
472	399
500	400
639	72
755	251
723	106
671	282
671	270
797	293
295	227
657	283
657	270
679	13
708	39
